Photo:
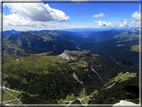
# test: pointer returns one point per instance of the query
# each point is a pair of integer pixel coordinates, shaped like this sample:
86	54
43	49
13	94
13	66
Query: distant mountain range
81	32
96	29
110	34
115	44
135	30
104	35
37	42
8	32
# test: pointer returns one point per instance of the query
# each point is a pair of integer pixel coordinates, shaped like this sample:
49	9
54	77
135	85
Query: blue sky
44	16
114	12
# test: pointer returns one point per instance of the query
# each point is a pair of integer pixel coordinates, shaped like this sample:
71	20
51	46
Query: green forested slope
128	89
124	52
49	79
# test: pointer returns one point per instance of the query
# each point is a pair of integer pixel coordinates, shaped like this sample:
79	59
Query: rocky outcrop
66	55
72	55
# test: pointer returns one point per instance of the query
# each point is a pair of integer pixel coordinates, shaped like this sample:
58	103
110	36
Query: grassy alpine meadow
85	100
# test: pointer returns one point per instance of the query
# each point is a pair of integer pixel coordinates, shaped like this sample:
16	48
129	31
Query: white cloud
135	23
125	103
33	16
98	15
37	12
105	24
136	15
124	23
131	23
16	21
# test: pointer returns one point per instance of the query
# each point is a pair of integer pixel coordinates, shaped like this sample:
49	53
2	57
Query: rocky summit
66	55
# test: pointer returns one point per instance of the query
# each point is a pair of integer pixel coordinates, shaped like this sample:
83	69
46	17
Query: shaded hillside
33	42
126	36
124	52
104	35
8	32
61	35
11	38
13	49
125	90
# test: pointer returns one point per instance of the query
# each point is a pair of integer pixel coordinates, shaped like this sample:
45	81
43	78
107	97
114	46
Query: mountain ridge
104	35
28	41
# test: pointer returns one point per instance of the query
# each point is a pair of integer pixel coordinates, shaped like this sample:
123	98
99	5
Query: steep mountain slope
126	36
11	38
33	42
13	49
126	90
61	35
104	35
123	48
8	32
135	30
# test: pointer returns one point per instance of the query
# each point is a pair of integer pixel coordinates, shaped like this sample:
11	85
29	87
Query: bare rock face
66	55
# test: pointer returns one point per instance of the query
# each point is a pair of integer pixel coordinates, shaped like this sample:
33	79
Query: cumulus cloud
15	21
98	15
37	12
124	23
33	16
135	23
105	24
136	15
